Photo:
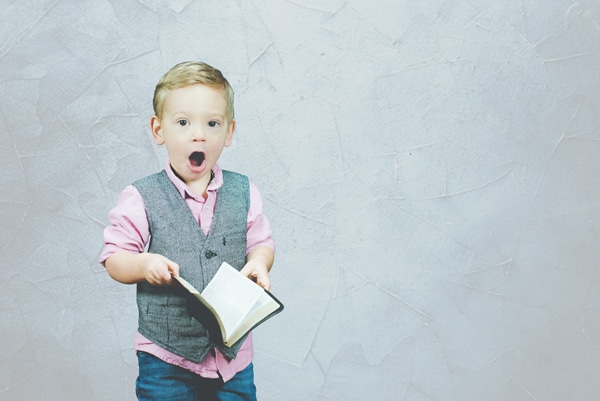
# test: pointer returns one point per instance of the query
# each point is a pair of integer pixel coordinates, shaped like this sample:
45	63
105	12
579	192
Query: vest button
210	254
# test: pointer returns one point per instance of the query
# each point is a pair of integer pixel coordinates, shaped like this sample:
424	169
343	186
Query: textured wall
431	170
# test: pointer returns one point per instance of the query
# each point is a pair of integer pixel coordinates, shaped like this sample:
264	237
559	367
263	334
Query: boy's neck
197	187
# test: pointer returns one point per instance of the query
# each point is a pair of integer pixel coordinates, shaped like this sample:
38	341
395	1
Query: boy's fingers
259	276
264	281
174	269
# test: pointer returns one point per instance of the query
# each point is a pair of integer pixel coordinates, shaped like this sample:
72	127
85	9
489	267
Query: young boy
186	220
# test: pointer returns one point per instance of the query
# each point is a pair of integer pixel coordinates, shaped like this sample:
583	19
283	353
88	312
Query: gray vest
168	315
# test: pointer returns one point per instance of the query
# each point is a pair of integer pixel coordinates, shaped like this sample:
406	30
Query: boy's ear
230	131
156	130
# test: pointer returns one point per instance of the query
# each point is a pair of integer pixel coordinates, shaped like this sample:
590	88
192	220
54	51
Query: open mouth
196	159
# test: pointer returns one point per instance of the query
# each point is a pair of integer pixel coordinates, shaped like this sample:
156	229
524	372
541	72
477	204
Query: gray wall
431	170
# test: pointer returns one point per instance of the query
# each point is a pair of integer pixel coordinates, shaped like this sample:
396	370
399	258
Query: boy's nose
198	134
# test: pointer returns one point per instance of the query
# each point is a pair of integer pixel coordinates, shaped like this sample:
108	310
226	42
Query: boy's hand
158	270
257	272
258	264
130	268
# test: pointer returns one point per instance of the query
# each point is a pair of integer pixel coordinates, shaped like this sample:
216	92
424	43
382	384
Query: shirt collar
215	183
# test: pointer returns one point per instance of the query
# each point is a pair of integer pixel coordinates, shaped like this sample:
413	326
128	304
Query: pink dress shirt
128	230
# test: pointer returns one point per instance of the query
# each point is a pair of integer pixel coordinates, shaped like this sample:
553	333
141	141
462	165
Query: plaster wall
430	169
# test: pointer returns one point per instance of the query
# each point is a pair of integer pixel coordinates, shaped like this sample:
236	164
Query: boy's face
195	129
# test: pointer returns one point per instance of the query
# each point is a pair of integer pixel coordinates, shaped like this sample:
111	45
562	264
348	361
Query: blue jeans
161	381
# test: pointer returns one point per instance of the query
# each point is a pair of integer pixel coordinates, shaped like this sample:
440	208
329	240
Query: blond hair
192	73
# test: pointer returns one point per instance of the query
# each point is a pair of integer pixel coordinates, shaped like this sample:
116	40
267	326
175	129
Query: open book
238	303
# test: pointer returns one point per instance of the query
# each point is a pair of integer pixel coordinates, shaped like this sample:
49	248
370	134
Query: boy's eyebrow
215	114
189	112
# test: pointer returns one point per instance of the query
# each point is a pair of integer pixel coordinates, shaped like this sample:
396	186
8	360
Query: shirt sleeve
128	225
258	228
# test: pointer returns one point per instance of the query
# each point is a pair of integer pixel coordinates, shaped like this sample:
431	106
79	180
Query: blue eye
183	123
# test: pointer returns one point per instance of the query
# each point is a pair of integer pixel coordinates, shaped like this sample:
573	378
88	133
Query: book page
232	295
265	305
